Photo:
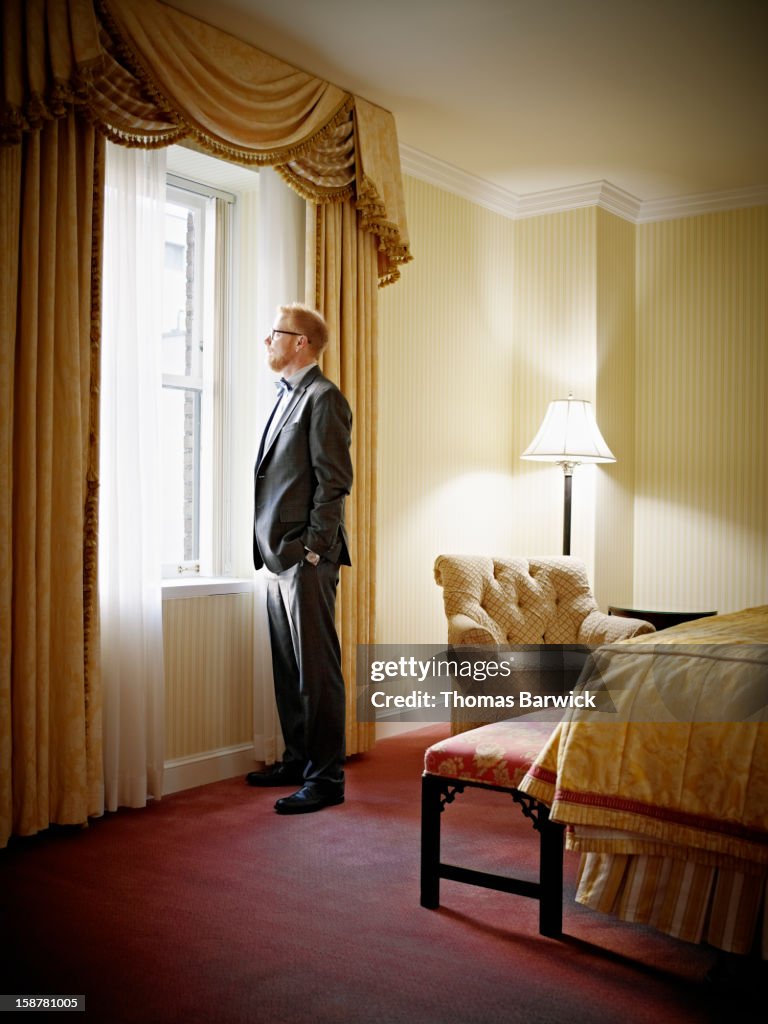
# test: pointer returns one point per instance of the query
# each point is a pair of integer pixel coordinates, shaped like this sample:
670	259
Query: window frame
212	327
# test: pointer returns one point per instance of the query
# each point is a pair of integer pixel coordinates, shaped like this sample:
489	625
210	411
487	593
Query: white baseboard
386	729
217	765
212	766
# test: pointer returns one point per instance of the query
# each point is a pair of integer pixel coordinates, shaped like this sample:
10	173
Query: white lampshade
569	434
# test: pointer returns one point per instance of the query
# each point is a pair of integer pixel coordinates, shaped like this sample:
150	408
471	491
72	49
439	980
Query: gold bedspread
683	772
749	626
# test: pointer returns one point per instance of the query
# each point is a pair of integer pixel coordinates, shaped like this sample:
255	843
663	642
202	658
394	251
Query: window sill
204	586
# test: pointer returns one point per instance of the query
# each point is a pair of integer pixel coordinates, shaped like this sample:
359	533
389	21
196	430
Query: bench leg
431	791
435	791
550	875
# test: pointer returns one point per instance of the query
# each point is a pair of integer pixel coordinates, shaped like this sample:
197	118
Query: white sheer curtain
129	551
279	280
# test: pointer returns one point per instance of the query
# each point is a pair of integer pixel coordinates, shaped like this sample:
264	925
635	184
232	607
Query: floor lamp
569	435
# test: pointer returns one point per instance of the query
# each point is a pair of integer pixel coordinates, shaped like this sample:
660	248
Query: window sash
207	507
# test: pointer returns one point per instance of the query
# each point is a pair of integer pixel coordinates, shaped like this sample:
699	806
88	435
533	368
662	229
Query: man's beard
276	362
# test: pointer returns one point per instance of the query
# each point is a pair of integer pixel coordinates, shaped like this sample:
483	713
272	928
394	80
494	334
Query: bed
663	788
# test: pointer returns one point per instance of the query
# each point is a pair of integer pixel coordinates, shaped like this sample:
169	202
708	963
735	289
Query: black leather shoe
277	775
309	798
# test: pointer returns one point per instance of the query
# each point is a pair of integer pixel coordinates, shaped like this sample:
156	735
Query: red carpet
209	907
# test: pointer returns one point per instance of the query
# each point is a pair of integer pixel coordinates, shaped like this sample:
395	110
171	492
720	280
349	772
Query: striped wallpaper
662	326
446	412
614	402
701	497
554	329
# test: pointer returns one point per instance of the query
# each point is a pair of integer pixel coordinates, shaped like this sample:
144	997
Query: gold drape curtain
141	73
342	283
50	727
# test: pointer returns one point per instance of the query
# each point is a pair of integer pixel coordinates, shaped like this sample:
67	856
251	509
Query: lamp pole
568	488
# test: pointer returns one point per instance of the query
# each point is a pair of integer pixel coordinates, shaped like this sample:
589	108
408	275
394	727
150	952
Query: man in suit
303	475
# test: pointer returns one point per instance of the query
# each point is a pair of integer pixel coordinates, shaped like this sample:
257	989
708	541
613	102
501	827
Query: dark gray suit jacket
302	477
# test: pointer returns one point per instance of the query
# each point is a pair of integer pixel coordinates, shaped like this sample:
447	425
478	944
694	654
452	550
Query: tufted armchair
525	601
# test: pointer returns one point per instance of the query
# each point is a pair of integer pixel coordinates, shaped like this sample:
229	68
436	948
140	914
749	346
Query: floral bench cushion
498	754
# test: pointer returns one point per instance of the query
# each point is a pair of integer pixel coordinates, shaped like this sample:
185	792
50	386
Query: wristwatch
312	556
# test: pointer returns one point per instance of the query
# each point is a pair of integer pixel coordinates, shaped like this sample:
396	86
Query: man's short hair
307	320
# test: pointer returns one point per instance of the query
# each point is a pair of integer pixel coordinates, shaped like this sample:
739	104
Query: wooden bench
494	757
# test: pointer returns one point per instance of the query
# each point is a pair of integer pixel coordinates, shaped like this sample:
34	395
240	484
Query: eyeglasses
277	330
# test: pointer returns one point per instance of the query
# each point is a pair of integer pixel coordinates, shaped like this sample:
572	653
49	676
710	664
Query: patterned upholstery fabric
498	754
525	601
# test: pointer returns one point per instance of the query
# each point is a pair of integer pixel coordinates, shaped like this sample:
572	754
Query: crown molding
461	183
703	202
558	200
592	193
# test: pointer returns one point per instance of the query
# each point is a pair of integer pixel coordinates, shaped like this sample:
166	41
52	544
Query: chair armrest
599	628
464	630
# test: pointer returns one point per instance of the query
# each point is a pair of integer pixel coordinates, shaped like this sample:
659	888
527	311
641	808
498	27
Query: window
227	244
212	370
198	347
231	245
195	267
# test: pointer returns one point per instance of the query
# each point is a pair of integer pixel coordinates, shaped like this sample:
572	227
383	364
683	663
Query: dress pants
306	663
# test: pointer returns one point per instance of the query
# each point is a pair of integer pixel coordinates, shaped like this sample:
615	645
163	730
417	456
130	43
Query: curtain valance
146	74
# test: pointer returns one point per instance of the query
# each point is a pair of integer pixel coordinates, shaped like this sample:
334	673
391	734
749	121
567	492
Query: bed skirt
723	907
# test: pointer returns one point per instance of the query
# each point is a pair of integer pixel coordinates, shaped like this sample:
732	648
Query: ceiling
659	98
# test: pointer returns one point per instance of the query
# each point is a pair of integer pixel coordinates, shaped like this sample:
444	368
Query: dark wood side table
658	619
